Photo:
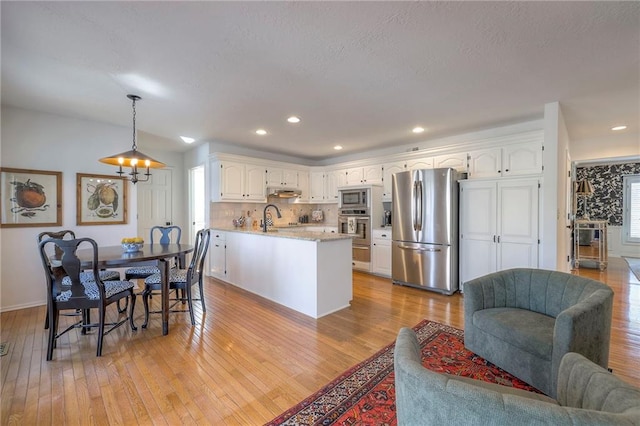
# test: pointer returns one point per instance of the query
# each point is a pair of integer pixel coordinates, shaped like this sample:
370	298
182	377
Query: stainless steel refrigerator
425	229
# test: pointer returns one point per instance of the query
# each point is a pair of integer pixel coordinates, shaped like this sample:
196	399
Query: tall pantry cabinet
498	226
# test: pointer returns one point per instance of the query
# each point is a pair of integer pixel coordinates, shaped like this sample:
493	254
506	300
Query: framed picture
101	200
30	198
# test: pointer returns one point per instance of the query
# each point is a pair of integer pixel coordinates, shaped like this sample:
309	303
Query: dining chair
181	280
79	294
168	234
105	275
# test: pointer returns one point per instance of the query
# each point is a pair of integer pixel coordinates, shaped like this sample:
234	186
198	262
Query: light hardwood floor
245	362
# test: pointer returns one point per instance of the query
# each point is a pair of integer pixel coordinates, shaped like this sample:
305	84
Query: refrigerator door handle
419	206
419	249
414	206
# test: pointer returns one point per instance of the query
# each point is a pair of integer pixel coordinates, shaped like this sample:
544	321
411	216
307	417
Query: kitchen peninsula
309	272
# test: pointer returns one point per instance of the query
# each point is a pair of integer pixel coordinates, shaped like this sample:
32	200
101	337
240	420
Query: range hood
283	192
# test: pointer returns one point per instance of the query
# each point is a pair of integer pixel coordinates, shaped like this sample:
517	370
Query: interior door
155	201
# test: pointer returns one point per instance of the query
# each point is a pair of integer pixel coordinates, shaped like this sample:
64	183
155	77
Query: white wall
563	197
33	140
553	204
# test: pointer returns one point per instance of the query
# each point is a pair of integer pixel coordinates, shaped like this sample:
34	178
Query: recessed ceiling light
261	132
619	127
293	119
418	129
337	147
187	139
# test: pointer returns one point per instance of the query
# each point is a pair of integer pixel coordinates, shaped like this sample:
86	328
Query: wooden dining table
150	254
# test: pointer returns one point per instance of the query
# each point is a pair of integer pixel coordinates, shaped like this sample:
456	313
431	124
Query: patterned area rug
365	394
634	265
4	348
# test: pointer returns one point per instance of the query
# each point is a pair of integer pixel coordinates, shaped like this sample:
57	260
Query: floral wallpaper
606	201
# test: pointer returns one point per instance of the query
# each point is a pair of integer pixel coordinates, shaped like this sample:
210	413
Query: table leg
163	265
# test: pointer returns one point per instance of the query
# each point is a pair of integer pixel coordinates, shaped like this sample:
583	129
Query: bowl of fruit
132	245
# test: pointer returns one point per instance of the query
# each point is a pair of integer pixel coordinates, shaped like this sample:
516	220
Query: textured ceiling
359	74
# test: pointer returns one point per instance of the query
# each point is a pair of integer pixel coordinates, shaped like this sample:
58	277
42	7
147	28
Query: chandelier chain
135	146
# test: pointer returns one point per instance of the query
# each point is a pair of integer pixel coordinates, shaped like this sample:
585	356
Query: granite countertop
288	233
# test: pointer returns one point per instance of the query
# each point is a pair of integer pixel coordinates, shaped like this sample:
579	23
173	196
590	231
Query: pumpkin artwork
29	198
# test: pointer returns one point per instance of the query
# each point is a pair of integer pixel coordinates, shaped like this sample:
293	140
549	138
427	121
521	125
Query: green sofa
525	320
587	395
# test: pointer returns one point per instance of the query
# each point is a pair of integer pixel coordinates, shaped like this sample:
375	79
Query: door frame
197	174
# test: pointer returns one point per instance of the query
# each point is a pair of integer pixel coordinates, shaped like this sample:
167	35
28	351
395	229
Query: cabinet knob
506	170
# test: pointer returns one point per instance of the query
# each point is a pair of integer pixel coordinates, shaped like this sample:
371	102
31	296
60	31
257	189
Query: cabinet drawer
383	234
218	236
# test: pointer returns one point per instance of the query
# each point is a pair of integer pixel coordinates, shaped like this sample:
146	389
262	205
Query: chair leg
101	314
204	308
133	305
145	302
190	301
126	304
86	319
53	329
46	319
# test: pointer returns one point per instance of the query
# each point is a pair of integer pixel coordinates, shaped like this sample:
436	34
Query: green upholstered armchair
587	395
525	320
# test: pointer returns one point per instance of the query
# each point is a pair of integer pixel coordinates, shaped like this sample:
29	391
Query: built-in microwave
351	198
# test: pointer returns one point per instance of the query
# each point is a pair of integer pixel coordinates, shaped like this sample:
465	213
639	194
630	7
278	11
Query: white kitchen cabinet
333	180
457	160
485	163
388	170
381	253
218	255
522	159
233	181
371	175
323	187
354	176
339	177
278	177
303	186
316	186
510	160
498	226
420	163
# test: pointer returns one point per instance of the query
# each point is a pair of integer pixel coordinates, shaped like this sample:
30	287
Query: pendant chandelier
134	158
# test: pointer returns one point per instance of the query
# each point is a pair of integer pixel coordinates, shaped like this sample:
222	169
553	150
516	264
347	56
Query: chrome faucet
264	215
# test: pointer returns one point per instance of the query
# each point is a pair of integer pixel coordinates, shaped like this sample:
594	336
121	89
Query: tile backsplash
222	214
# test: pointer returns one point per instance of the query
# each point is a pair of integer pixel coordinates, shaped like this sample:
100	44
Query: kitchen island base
308	274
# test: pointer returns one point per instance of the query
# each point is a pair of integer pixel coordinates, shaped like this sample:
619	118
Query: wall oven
357	223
